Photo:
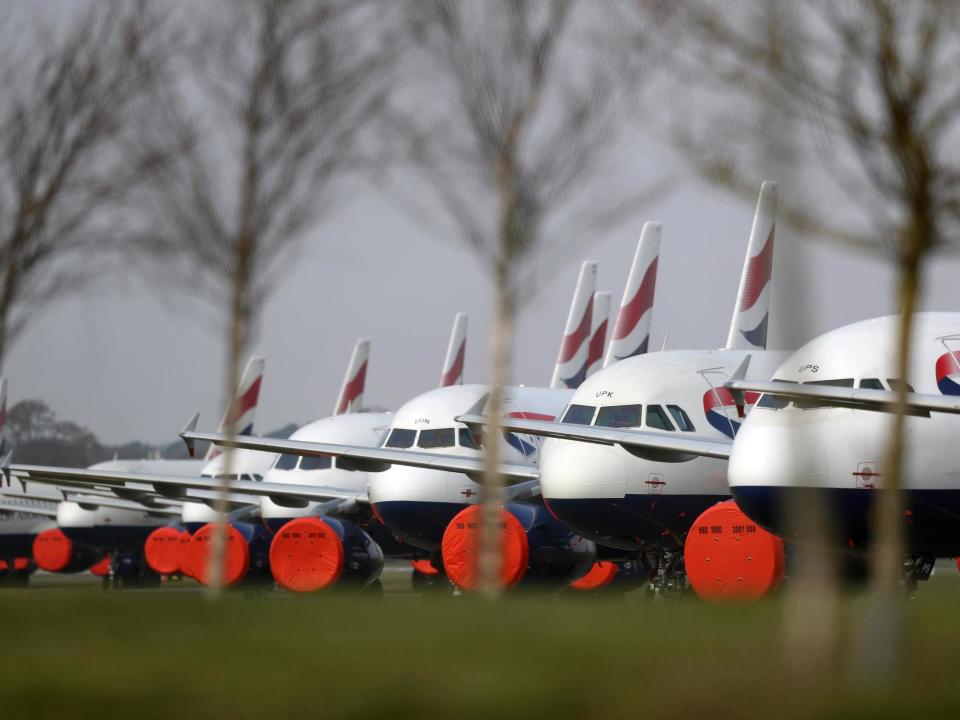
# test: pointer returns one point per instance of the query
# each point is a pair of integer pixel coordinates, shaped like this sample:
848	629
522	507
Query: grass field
76	651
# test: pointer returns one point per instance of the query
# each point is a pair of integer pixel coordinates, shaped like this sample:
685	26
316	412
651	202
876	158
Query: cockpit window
871	384
681	418
657	418
467	439
619	416
322	462
896	384
436	438
287	462
579	414
774	402
400	438
839	382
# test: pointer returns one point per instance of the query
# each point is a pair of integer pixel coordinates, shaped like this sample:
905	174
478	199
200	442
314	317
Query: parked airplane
615	468
419	485
822	425
89	525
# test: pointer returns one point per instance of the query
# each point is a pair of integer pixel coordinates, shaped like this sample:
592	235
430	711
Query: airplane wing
918	404
181	488
362	458
665	447
46	510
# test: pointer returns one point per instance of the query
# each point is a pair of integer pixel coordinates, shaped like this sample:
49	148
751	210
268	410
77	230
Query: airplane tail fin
350	397
598	337
748	329
242	410
631	332
452	373
571	366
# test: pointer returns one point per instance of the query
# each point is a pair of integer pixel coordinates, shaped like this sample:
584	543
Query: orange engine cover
236	555
728	556
460	544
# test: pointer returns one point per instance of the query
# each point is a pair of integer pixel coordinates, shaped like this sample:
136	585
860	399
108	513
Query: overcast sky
129	365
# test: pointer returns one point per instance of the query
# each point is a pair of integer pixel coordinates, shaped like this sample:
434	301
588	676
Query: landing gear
668	578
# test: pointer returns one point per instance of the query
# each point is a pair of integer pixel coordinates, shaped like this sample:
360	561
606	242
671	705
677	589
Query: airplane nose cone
418	504
586	487
769	463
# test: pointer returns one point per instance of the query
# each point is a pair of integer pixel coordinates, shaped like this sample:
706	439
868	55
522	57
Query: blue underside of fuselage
116	537
633	520
931	518
420	524
16	545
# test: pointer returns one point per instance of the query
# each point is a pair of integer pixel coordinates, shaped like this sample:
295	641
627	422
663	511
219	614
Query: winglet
736	376
471	418
189	428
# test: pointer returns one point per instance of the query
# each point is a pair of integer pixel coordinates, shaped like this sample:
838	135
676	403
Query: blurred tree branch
872	89
69	107
273	97
504	123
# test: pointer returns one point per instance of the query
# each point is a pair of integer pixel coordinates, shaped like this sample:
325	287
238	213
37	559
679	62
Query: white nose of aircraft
417	504
778	455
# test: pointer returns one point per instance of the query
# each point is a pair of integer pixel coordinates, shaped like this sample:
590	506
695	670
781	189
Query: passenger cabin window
657	418
871	384
436	438
287	462
840	382
579	414
681	418
400	438
896	384
619	416
467	439
322	462
774	402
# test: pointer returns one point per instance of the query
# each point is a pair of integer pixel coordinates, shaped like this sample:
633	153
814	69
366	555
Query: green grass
80	652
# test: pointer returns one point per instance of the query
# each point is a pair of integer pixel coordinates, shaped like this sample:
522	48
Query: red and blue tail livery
452	373
598	338
350	397
572	361
631	332
242	411
748	330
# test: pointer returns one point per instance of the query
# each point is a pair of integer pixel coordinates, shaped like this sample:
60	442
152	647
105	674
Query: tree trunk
882	628
491	493
239	320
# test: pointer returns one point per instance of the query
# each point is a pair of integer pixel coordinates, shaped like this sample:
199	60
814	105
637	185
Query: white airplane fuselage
417	504
622	499
783	451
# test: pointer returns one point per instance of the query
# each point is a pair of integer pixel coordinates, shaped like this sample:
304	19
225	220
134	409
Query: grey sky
130	366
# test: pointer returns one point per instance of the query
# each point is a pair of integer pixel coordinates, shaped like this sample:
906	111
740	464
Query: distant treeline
37	436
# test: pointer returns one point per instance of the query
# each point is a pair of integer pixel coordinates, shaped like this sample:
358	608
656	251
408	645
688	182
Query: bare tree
871	90
69	105
506	121
272	99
